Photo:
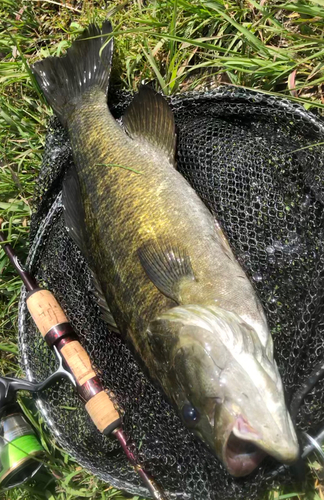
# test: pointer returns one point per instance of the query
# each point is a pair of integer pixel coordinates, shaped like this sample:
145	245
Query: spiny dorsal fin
166	266
150	117
74	218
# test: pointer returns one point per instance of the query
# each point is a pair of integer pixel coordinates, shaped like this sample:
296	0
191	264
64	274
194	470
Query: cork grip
45	310
78	361
100	406
102	411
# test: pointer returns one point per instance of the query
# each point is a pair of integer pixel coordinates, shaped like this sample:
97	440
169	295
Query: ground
271	46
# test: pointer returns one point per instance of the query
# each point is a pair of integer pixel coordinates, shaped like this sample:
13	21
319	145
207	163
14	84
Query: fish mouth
241	457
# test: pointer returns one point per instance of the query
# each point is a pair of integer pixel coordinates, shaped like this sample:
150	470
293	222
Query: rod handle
47	314
45	310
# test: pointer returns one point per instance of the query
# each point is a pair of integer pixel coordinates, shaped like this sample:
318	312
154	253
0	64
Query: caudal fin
86	64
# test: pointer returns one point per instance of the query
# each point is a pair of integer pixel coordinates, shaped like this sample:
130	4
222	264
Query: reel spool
19	447
21	453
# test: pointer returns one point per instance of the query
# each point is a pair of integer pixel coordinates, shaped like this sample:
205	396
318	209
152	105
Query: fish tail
86	64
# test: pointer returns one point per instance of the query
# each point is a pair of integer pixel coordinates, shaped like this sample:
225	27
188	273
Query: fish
166	276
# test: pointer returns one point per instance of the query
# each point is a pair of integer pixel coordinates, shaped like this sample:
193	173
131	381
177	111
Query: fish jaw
244	448
240	456
247	429
283	446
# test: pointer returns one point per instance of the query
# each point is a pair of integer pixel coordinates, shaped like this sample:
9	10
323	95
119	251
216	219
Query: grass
276	47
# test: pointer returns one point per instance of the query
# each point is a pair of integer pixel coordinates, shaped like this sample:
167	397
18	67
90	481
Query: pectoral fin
166	266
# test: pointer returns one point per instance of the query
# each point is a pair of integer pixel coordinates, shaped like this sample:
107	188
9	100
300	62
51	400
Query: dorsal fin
104	308
150	117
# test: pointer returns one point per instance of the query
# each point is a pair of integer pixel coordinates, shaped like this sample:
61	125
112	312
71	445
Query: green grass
276	47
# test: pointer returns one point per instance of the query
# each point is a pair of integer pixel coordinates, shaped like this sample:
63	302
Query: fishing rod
58	333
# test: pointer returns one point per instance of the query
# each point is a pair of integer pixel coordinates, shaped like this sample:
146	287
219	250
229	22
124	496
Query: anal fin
104	308
74	217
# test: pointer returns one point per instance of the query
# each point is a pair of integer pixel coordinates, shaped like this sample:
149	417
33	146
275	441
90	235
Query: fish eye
190	415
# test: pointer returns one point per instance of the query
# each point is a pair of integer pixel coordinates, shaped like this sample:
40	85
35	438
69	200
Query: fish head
225	384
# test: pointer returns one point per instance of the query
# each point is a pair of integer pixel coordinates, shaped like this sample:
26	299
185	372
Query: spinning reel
20	450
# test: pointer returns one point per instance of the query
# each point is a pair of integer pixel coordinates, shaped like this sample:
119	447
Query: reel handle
56	330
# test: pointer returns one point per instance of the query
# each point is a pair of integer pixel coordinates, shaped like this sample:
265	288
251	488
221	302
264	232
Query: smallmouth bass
168	278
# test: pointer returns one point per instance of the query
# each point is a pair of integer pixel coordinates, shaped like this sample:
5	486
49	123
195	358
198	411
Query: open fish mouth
241	457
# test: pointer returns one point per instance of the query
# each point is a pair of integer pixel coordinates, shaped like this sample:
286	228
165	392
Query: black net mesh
248	157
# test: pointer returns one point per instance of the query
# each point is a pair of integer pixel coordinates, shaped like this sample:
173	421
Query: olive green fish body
167	276
126	211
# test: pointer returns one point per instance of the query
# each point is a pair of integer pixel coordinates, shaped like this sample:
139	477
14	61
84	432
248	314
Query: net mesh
257	163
